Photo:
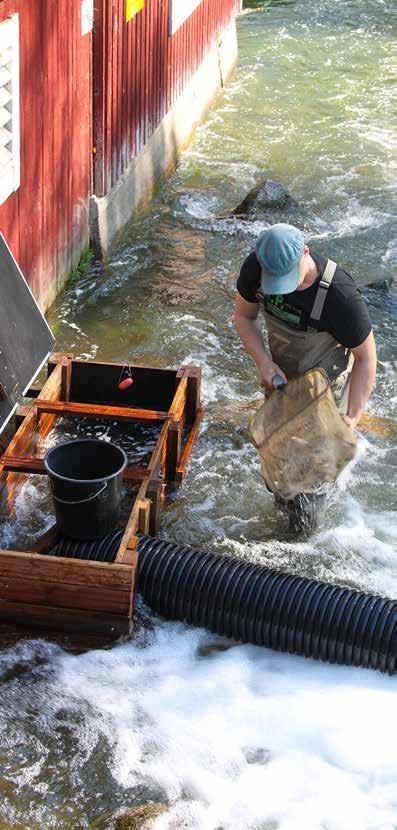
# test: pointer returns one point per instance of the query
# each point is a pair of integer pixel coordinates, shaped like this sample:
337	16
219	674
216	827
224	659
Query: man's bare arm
247	325
362	380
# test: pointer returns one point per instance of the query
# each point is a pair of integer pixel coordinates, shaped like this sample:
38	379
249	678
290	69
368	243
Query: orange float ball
125	384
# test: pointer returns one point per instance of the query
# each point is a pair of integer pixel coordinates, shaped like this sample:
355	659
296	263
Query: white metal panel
5	96
5	136
16	136
7	179
87	16
5	158
9	107
5	74
180	10
5	117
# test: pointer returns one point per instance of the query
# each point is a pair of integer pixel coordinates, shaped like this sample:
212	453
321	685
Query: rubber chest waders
298	351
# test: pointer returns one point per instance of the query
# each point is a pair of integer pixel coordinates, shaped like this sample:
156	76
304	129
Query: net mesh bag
300	437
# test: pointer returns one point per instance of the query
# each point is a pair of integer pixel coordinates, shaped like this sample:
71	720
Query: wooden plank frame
42	590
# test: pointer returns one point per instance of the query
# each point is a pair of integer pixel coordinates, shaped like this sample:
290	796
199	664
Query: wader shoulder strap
323	287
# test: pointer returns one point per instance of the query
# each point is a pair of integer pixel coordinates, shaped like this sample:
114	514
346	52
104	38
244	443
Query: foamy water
227	735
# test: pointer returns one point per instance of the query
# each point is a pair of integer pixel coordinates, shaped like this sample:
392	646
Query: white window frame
9	63
180	10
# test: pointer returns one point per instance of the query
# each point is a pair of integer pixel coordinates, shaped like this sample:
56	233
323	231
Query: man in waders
315	317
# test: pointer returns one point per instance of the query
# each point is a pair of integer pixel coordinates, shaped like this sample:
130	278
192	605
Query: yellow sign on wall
132	7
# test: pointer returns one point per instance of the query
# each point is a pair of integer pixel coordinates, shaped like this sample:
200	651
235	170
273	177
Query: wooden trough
45	591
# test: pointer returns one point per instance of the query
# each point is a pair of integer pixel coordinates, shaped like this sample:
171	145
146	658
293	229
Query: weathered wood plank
39	592
64	619
52	388
44	423
31	464
158	453
56	569
66	379
153	494
79	410
22	443
193	395
132	524
21	464
178	406
55	358
131	554
133	559
182	466
173	451
24	438
144	516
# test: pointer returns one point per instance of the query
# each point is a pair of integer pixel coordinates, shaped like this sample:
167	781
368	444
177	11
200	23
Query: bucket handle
81	501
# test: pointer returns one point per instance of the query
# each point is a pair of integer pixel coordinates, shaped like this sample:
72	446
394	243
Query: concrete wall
109	214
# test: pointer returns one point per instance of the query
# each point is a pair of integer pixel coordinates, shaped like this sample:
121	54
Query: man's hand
362	380
246	319
267	371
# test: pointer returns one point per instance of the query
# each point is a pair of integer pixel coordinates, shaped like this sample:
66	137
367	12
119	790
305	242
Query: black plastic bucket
85	477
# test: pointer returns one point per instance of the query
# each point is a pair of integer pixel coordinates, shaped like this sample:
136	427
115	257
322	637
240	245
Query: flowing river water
232	736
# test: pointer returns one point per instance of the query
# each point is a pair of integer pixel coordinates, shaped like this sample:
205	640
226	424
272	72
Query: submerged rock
140	818
136	818
381	285
266	197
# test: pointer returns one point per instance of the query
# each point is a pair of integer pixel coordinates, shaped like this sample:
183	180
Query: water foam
237	737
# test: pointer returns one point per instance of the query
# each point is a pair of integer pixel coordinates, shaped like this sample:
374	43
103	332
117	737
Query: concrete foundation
108	214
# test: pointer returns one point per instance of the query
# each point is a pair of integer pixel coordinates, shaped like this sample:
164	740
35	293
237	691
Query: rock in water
141	818
135	818
266	197
380	285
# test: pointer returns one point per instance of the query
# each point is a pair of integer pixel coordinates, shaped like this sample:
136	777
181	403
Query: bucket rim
85	480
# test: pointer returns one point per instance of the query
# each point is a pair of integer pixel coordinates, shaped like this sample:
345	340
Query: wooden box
42	590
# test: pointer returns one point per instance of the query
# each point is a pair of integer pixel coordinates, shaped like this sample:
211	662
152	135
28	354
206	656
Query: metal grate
9	107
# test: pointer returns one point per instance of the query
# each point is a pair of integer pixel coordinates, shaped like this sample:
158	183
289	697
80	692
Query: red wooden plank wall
139	71
45	222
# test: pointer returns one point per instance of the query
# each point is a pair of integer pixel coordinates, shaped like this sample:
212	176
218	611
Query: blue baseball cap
279	250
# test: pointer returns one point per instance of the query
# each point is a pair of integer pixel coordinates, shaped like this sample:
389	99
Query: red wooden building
83	88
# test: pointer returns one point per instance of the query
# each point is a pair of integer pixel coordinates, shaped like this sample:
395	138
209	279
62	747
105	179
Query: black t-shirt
345	314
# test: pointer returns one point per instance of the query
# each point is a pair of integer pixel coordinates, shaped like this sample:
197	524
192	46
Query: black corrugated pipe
99	550
254	604
257	605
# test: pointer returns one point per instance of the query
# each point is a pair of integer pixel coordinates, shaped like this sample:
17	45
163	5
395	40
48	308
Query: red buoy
125	384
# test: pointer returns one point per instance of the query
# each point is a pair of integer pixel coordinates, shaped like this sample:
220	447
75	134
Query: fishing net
300	437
